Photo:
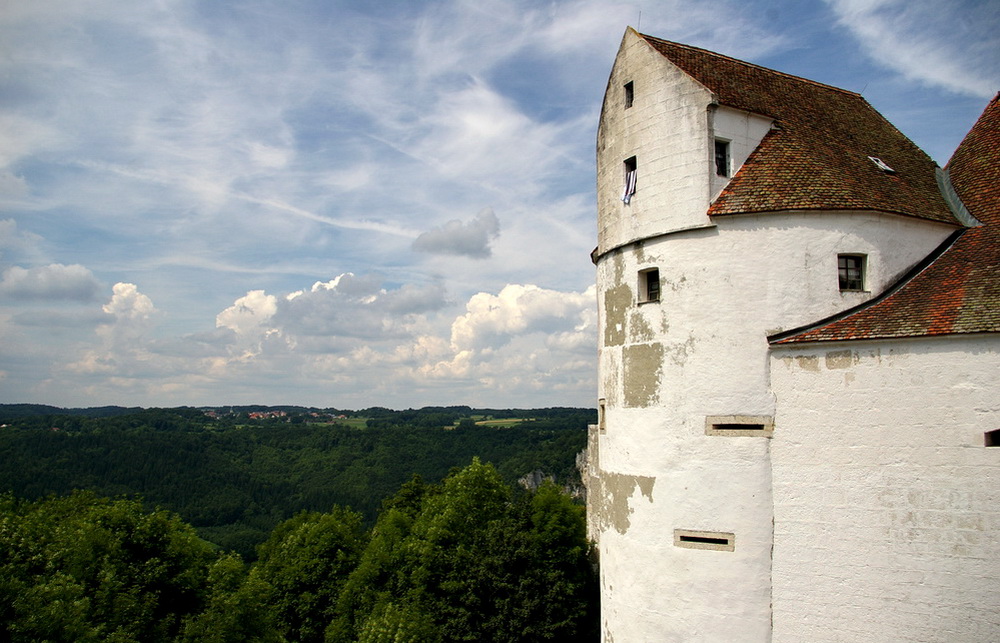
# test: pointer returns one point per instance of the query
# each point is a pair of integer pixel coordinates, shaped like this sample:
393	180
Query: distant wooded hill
236	472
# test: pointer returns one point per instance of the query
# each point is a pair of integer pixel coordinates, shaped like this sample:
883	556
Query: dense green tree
305	563
237	608
469	562
83	568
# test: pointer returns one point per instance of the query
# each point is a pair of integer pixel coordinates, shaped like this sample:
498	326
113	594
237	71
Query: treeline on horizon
234	473
469	559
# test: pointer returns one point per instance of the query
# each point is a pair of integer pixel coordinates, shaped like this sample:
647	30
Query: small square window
631	175
629	94
992	438
649	285
722	157
851	272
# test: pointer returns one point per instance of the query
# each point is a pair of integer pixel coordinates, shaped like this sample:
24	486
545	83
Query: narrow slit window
747	426
629	94
601	410
631	175
992	438
722	158
851	272
649	285
714	540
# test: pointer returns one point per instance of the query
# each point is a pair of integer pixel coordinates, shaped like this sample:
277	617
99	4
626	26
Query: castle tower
734	203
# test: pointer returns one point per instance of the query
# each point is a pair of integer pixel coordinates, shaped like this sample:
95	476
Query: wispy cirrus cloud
954	45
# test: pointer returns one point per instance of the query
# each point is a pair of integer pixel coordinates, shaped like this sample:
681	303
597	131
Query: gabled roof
955	291
817	156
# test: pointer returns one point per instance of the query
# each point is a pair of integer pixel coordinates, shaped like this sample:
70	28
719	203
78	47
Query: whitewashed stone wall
886	502
666	129
701	351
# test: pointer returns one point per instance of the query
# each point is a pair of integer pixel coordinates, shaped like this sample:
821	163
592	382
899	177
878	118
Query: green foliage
236	610
84	568
235	479
466	560
470	562
305	562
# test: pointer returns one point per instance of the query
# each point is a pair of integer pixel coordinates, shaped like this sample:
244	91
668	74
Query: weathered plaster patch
617	302
610	379
679	352
617	505
674	284
639	329
839	359
808	362
643	367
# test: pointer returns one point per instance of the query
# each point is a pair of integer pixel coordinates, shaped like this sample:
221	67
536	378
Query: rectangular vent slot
714	540
740	425
705	540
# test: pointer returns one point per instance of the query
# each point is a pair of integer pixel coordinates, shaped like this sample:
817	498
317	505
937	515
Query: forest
234	473
292	524
466	560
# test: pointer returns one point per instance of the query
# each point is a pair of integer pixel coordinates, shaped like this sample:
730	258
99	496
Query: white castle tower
737	206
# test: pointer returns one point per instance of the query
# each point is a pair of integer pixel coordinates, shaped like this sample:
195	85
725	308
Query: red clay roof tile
817	157
957	290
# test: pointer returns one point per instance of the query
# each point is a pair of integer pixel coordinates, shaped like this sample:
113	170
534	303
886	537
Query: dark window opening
851	272
714	540
704	540
629	94
649	285
738	427
631	176
722	158
992	438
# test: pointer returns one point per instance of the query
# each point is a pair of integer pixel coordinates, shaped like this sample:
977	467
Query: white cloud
52	282
471	239
955	45
133	314
249	313
492	320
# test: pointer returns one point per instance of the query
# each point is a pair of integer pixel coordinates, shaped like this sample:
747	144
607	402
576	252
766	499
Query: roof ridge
748	64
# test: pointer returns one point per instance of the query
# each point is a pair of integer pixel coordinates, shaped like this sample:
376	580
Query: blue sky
351	204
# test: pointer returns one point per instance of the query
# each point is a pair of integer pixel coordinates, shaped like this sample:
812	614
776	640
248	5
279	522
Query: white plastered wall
666	129
886	502
701	351
743	131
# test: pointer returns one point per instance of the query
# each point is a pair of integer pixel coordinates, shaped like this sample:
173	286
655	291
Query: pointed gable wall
816	158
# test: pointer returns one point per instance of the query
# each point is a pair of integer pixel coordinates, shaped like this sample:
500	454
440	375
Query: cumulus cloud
52	282
954	45
470	239
491	320
132	312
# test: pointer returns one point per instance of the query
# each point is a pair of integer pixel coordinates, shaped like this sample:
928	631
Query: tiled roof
956	291
817	156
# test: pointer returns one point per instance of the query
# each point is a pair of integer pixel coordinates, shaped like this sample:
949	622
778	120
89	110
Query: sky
350	204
